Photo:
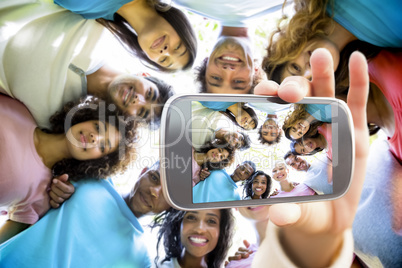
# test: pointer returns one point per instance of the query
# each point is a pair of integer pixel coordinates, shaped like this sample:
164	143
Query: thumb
284	214
63	178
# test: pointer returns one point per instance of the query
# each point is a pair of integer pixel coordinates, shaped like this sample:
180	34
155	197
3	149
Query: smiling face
280	171
217	154
259	186
297	163
242	172
306	146
92	139
146	196
135	96
270	130
230	67
163	45
299	129
199	232
301	65
245	120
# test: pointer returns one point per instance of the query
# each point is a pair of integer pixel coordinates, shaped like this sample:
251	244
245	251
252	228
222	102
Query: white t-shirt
46	52
317	175
232	13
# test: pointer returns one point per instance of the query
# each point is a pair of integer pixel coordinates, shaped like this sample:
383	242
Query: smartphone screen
219	152
254	150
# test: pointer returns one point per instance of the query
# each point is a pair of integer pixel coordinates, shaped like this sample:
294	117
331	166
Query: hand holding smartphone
237	144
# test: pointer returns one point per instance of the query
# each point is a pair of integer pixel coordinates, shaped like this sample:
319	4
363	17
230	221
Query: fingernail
54	181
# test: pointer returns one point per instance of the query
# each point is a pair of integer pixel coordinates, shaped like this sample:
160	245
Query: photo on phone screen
254	150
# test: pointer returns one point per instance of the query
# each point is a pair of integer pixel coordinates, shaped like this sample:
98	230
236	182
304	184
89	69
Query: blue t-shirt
321	112
219	186
376	22
269	108
94	228
93	9
217	105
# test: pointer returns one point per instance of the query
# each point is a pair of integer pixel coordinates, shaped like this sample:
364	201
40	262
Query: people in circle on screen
157	34
212	156
270	133
258	186
305	119
195	238
85	141
280	173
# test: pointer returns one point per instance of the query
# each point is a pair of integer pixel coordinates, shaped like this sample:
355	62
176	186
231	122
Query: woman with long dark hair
196	238
156	33
258	186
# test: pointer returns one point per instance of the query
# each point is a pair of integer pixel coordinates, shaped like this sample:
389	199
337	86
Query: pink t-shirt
299	190
326	131
24	179
195	169
385	71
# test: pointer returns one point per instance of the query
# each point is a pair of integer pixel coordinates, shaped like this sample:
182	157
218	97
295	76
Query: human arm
60	190
313	234
11	228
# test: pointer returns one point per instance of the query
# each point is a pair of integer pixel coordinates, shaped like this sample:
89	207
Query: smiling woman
158	34
195	238
213	155
86	141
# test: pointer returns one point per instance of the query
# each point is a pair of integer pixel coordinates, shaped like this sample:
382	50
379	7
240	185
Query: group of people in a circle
216	140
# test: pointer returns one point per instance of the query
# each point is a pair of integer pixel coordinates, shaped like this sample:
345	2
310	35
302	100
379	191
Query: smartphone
221	150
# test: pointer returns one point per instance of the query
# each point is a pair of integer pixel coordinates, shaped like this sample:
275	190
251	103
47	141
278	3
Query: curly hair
299	112
123	31
94	109
316	150
289	39
248	110
263	141
170	233
200	73
217	143
248	186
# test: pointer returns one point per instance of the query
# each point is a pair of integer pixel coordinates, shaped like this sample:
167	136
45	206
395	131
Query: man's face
242	172
230	67
135	96
270	130
297	163
147	197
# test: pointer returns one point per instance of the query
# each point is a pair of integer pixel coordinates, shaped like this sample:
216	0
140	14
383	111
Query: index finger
322	69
